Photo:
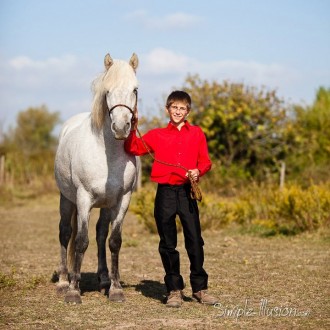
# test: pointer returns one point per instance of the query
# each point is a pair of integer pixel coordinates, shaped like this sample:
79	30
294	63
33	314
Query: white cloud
137	15
62	63
164	61
66	73
178	20
162	70
63	83
250	72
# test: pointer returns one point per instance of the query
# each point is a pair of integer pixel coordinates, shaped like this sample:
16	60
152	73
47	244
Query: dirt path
263	283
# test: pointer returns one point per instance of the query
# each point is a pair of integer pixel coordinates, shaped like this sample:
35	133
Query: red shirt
186	147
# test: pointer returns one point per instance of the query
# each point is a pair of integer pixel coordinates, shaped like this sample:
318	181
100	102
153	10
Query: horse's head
116	96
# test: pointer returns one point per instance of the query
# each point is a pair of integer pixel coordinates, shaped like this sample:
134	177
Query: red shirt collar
170	126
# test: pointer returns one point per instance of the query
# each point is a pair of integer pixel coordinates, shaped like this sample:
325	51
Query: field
263	283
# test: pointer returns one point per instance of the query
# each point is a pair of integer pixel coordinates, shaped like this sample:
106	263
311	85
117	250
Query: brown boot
174	299
204	298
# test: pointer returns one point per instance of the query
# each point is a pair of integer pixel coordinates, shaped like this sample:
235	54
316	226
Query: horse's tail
72	243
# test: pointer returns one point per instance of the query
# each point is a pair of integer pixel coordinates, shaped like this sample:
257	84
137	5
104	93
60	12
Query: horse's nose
126	128
114	127
121	133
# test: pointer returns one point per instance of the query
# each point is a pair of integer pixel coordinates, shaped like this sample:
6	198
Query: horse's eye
135	91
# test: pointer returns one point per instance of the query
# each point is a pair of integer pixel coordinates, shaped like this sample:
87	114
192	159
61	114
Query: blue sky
50	51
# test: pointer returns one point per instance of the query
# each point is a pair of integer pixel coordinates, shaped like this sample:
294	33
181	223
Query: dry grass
243	270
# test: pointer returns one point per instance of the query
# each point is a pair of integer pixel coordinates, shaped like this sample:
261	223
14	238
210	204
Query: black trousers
172	200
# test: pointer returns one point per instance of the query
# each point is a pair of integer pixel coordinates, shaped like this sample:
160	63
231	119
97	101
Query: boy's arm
135	146
204	163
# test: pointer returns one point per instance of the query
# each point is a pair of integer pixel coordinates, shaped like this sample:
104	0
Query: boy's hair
178	96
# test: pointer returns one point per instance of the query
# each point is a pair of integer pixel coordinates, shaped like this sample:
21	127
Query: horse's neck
114	149
112	146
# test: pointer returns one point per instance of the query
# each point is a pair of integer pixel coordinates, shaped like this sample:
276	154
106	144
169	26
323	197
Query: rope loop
195	192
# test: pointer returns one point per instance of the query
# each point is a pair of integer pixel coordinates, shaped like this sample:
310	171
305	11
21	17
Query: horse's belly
108	194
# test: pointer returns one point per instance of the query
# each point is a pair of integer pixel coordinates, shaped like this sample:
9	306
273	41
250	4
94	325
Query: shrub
7	280
300	210
142	205
265	210
289	211
215	213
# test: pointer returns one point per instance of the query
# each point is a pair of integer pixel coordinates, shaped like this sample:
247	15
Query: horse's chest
109	180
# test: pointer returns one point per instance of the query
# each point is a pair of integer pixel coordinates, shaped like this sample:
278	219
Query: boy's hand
194	173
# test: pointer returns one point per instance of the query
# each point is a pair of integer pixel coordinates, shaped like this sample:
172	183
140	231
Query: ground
262	283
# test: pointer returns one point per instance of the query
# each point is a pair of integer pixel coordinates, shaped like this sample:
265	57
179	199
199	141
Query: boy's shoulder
195	128
156	130
192	126
167	130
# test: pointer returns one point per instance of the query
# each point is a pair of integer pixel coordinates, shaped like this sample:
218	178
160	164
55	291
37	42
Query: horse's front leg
102	231
67	210
116	290
77	250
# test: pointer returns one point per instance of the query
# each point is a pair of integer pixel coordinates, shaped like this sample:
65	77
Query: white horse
92	170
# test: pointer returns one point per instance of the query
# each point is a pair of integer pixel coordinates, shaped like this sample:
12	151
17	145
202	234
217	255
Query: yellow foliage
143	206
268	210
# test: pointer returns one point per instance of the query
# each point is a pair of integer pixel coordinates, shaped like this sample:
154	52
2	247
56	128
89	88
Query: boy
182	144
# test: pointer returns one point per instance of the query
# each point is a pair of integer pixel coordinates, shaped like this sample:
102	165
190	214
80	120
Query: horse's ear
108	61
134	61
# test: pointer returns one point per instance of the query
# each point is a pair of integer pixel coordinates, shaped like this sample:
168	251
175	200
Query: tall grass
266	210
15	192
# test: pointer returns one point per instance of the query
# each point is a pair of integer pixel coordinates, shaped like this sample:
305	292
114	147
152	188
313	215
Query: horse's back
73	122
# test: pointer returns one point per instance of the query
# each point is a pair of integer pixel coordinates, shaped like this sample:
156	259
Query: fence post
2	169
282	175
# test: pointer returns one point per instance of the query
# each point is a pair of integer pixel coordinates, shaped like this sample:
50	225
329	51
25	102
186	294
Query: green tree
244	125
29	148
34	130
309	134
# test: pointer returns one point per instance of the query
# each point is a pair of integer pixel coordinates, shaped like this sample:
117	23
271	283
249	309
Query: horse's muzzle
121	133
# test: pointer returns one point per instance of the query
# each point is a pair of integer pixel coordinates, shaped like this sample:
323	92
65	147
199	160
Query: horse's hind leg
102	231
67	209
77	251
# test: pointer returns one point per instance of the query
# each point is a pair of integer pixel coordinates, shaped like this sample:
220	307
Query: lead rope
195	192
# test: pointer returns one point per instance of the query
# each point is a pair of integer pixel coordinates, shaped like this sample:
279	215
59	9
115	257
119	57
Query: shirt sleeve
135	146
204	163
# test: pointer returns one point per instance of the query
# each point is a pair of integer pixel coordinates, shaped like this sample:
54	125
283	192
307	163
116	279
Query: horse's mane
120	71
99	105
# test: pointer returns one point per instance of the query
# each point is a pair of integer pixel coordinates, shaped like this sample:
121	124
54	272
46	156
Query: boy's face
177	111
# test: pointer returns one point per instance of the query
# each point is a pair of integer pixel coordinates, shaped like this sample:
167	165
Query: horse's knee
82	242
101	235
65	234
115	243
102	227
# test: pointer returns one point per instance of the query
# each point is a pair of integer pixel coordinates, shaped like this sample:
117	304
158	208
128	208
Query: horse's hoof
73	296
116	295
105	290
104	287
62	287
